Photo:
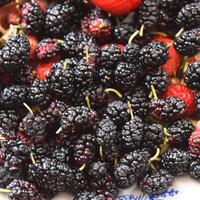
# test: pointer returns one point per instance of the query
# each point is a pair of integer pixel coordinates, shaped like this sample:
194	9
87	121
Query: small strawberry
174	61
194	142
33	45
42	69
182	92
116	7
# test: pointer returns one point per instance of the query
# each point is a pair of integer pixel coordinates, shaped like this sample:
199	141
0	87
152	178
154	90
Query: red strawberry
182	92
117	7
174	61
33	45
194	142
43	68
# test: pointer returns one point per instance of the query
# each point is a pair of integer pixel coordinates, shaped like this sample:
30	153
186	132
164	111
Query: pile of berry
94	100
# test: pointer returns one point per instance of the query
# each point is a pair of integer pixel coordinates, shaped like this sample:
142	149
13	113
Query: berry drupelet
76	119
61	153
21	189
84	73
188	43
117	111
97	96
106	77
48	48
195	169
106	132
158	79
125	75
85	195
154	54
176	161
156	182
13	96
80	182
51	174
132	133
8	176
56	109
131	53
15	53
153	136
84	149
35	127
188	17
98	169
111	152
129	168
180	132
105	186
147	14
192	75
33	18
38	93
9	120
111	55
61	78
61	16
139	101
123	32
167	109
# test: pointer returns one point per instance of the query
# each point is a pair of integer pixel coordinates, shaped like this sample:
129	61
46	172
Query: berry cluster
91	103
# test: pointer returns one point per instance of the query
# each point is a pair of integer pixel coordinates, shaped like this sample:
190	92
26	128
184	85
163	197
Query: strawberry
182	92
194	142
42	69
116	7
174	61
33	45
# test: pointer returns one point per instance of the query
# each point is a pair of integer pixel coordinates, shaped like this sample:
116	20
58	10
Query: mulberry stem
114	91
28	108
141	33
130	110
179	32
154	92
133	36
2	190
87	101
82	167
